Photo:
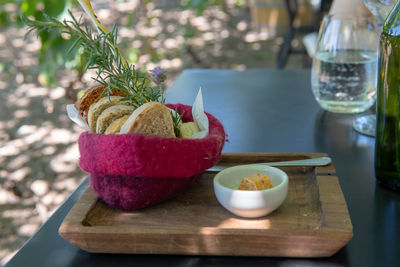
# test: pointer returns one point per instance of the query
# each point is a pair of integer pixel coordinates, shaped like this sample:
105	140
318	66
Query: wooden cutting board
313	221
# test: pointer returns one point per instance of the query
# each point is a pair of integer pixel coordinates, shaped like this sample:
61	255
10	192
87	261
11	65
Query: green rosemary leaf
176	119
73	46
102	54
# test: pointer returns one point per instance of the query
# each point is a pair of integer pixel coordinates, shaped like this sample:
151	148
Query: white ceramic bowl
253	203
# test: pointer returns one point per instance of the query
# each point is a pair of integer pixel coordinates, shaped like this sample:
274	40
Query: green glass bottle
387	143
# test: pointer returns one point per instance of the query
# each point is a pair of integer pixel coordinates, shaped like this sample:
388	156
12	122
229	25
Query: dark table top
262	111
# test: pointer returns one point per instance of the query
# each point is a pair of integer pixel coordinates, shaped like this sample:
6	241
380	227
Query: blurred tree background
52	54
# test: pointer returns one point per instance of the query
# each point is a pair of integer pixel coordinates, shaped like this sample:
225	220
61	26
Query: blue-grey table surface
262	110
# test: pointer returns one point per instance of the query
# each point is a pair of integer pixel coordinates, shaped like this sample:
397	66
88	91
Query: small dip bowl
250	203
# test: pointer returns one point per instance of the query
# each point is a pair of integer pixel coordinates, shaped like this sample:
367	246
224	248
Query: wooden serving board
313	221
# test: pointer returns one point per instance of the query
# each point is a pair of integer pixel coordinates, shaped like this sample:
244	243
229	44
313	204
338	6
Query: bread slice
97	108
110	114
115	126
91	96
187	129
150	119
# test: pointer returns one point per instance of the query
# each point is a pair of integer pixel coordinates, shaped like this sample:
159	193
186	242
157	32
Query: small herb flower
158	75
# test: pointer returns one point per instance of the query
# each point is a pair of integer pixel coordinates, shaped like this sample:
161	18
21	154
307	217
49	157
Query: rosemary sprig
176	119
101	51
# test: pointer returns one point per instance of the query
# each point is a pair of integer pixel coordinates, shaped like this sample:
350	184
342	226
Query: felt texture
130	193
150	156
130	171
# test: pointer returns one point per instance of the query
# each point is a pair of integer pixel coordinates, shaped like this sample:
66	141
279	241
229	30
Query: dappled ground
38	143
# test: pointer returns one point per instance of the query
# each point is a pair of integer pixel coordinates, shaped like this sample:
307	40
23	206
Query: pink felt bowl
131	171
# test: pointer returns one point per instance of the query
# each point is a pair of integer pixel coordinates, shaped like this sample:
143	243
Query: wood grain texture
313	221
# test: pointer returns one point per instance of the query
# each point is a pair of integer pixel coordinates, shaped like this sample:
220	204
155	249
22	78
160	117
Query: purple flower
158	75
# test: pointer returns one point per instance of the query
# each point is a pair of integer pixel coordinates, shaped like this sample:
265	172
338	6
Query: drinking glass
344	70
380	9
365	124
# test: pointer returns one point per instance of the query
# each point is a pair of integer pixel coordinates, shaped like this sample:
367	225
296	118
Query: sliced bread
188	129
150	119
110	114
97	108
115	126
91	96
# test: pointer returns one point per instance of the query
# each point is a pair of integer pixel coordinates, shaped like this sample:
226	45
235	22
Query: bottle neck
392	23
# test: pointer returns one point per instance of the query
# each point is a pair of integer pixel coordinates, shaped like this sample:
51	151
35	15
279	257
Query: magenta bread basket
132	171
